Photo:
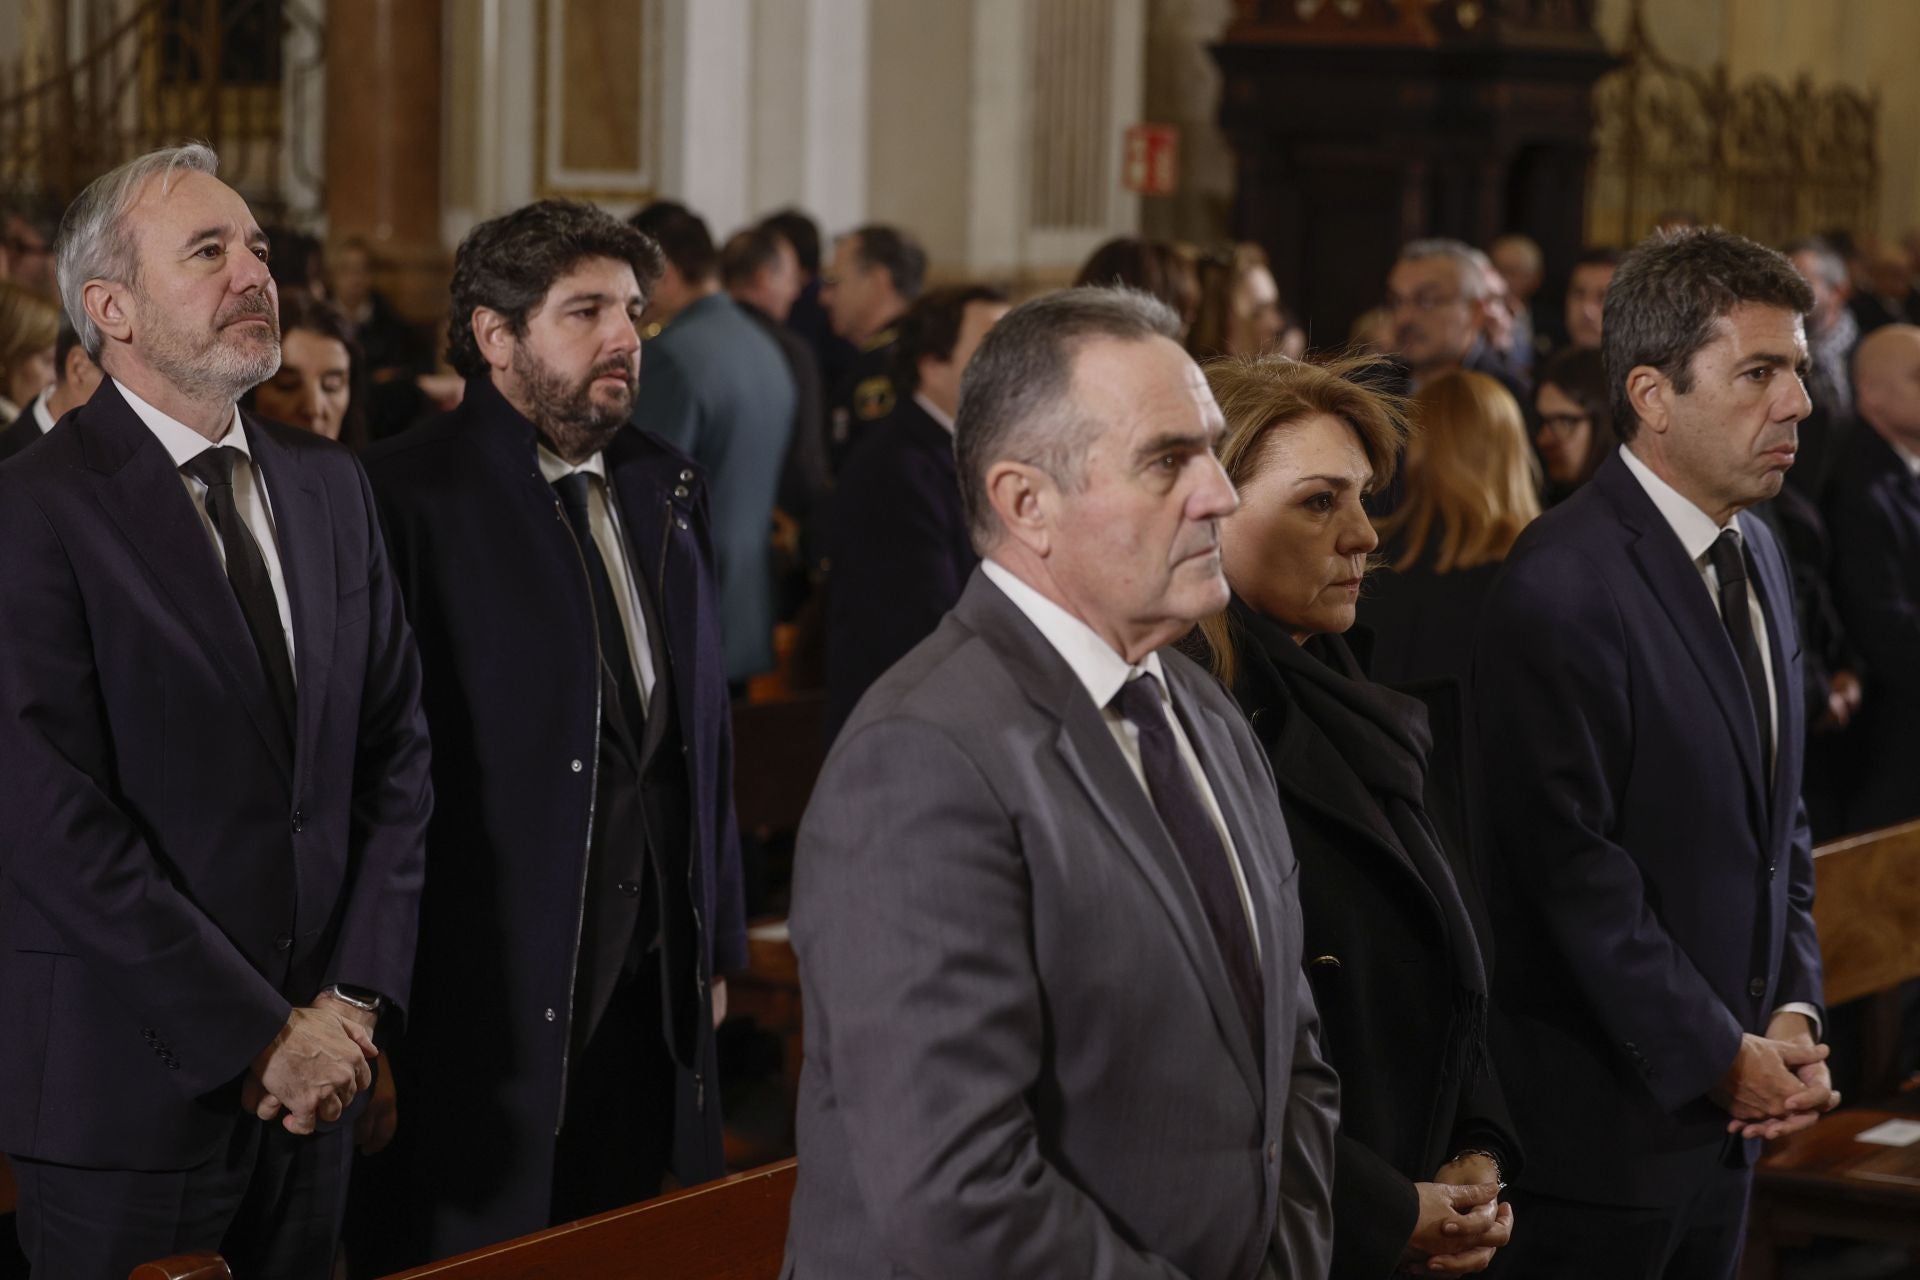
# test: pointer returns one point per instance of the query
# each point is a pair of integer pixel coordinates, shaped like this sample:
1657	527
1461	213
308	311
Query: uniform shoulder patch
873	398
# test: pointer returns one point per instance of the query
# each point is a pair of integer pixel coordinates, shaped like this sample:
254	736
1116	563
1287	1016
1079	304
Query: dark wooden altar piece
1361	124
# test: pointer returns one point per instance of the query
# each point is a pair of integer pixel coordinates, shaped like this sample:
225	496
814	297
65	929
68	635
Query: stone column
383	143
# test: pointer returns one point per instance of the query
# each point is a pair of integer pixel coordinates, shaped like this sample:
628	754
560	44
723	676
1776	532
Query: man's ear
106	305
1019	495
493	334
1651	393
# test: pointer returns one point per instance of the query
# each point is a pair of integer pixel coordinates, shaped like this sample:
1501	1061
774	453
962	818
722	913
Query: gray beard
213	369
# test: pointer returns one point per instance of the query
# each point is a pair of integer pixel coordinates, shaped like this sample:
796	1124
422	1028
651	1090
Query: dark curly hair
507	264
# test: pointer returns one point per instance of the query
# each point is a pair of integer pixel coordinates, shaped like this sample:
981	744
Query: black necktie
1729	563
1185	817
247	573
616	663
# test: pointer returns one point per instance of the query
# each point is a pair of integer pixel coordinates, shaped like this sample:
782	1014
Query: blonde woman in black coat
1392	945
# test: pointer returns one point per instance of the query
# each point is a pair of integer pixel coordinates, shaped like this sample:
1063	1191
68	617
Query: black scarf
1383	737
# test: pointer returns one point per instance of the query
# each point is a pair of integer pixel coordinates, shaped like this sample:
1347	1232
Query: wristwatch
359	997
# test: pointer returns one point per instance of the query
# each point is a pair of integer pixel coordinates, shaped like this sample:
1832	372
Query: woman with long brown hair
1391	935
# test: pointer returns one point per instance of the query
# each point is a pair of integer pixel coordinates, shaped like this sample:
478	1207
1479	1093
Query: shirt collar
182	442
1907	456
554	468
1093	660
42	418
934	411
1695	528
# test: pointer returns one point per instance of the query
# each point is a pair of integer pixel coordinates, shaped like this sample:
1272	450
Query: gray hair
1473	265
1833	267
94	241
1016	397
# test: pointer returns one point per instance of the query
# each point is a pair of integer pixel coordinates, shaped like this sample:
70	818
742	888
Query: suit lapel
143	495
646	518
1676	583
1086	746
1770	581
302	528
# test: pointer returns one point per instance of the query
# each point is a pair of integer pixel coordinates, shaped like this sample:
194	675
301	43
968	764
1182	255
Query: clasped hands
1462	1219
1778	1083
314	1067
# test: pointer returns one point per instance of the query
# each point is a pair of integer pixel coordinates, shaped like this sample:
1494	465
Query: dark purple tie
1184	814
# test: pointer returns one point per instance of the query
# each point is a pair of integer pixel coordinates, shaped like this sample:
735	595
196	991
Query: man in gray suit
1044	901
716	386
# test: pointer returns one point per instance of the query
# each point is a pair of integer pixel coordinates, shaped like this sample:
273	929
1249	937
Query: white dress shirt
933	411
183	444
1905	455
41	418
603	519
1697	533
1103	671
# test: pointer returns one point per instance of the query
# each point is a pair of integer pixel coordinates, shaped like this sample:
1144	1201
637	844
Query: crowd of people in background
1397	623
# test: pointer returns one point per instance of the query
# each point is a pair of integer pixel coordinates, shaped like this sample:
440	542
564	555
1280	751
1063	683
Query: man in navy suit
1874	509
899	546
585	898
216	768
1637	683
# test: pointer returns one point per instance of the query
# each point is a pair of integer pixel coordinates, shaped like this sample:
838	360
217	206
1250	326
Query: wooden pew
1823	1181
778	753
735	1229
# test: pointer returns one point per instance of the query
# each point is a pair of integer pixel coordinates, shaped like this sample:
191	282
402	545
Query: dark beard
575	426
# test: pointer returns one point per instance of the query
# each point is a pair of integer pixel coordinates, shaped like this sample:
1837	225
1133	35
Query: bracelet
360	998
1491	1158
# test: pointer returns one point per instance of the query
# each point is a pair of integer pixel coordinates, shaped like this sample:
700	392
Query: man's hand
1843	699
374	1129
1763	1084
719	1002
1817	1095
1456	1226
312	1068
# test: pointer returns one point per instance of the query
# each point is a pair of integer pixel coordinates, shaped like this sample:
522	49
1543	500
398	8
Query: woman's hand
1459	1227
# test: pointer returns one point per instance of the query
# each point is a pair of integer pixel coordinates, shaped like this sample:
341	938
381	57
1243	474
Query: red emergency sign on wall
1153	159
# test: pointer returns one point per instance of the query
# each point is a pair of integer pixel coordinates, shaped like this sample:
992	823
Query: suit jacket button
549	1015
680	521
680	491
685	476
576	766
629	888
1757	988
1773	869
299	820
283	942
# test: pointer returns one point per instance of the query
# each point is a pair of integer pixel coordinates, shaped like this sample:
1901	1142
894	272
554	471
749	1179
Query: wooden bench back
1867	905
777	754
734	1229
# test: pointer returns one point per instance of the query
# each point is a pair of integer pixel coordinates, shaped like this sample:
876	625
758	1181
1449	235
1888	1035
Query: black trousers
616	1140
269	1202
1699	1239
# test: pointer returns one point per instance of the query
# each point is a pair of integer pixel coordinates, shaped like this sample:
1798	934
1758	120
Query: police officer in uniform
876	274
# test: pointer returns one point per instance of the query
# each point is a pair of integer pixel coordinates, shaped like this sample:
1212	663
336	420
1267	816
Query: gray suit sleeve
912	920
1303	1230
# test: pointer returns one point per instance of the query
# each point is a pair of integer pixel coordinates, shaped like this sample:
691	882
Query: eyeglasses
1563	424
1420	301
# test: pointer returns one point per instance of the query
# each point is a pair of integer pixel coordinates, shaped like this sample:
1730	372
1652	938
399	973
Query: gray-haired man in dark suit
1044	900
